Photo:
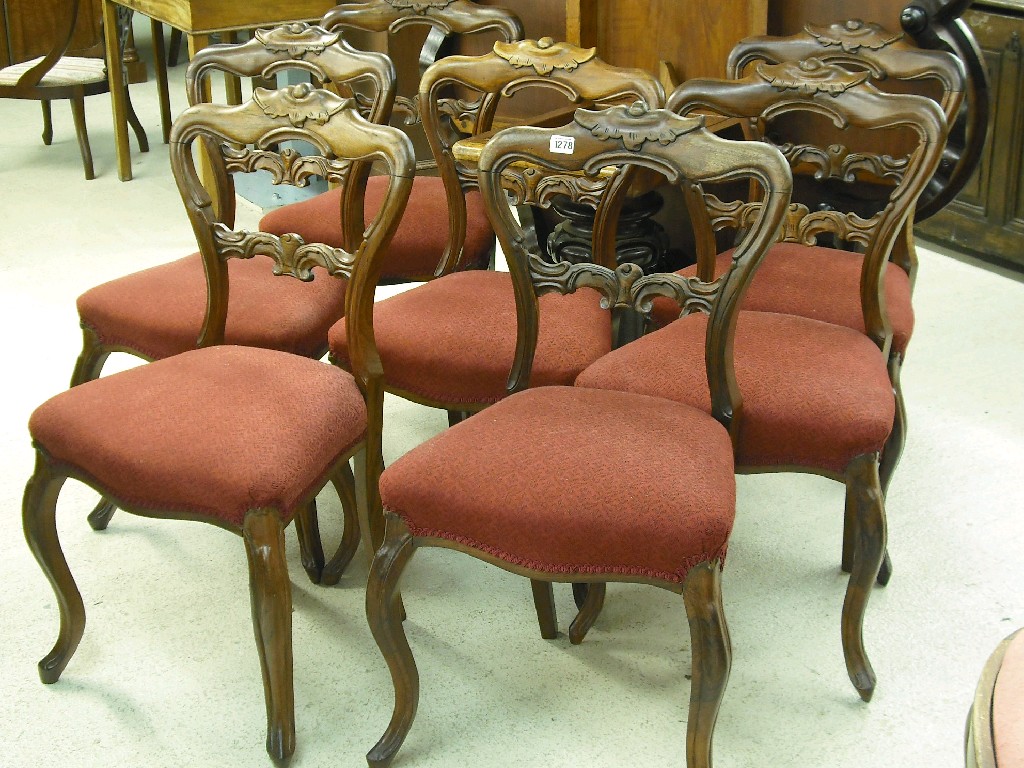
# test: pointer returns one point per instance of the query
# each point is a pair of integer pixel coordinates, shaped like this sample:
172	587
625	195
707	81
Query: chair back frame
686	154
331	62
576	72
247	137
848	100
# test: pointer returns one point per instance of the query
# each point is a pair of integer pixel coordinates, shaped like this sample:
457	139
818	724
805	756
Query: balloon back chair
158	312
450	342
817	396
239	437
822	282
660	516
57	76
422	244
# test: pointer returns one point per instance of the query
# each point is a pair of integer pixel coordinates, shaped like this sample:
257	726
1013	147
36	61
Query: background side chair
995	728
422	244
58	76
449	343
239	437
823	282
661	516
159	312
825	276
817	396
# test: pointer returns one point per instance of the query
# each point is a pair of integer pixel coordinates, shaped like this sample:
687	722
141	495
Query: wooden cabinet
987	217
28	29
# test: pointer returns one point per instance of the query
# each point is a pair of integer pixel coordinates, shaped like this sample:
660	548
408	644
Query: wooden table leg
195	44
232	84
115	75
160	69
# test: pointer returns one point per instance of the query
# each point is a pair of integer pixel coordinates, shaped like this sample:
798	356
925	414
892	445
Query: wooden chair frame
848	100
334	127
519	159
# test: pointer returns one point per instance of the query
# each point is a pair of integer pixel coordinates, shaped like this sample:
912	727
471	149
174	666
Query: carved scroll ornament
810	76
838	162
852	35
530	186
297	39
636	125
419	6
291	254
300	103
285	167
544	55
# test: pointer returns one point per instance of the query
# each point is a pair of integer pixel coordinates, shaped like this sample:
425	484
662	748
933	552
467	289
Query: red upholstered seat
452	340
559	489
819	283
814	394
262	430
422	235
1008	706
159	311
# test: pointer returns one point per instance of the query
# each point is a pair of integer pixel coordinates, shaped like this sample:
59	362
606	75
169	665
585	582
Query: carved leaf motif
287	166
419	6
810	76
300	103
408	106
852	35
615	287
544	55
803	226
735	214
636	125
291	254
690	293
838	162
530	186
297	39
462	113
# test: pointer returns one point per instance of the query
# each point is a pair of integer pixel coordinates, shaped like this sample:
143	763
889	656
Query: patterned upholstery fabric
422	234
566	480
815	395
69	70
819	283
452	340
159	311
1008	706
263	429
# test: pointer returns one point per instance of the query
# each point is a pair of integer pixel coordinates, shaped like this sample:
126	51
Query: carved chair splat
239	437
817	396
531	508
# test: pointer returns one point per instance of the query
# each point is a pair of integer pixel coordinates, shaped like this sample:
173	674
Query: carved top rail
861	45
847	100
249	137
577	73
679	149
323	54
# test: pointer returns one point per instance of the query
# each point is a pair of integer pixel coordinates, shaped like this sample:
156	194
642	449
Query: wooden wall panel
786	17
30	28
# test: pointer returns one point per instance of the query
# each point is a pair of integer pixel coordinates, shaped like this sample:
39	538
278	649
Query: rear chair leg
78	113
344	485
311	550
589	611
47	123
544	604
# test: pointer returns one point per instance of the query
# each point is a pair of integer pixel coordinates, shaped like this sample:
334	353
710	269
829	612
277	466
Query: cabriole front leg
384	612
270	592
38	516
712	659
864	494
